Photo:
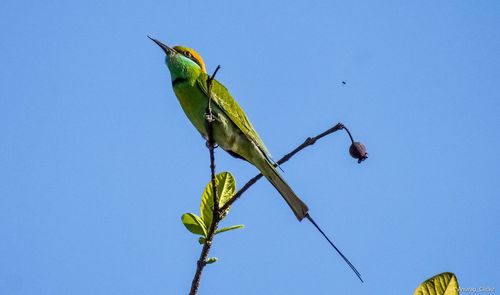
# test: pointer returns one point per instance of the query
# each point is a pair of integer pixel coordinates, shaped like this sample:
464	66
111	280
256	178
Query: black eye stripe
191	57
195	60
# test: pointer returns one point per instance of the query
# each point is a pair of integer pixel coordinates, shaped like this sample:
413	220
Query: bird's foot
210	118
207	144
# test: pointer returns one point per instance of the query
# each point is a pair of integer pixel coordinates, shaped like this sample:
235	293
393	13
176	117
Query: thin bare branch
202	261
308	142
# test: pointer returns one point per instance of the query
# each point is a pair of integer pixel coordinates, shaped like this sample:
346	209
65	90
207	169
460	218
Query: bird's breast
226	134
194	104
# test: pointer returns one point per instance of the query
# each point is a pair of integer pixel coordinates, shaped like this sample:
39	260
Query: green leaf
211	260
194	224
229	228
201	240
442	284
226	188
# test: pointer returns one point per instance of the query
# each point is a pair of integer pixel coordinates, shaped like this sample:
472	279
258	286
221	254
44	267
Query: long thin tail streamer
338	251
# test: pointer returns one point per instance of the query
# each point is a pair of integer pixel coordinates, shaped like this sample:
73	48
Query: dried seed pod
358	151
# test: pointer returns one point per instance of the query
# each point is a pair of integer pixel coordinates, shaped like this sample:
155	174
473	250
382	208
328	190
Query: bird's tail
298	207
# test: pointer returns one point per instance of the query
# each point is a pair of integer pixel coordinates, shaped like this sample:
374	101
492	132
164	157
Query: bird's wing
224	100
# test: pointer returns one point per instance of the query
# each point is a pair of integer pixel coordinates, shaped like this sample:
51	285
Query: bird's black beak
168	51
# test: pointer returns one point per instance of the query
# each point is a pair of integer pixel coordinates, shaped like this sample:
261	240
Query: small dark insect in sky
343	82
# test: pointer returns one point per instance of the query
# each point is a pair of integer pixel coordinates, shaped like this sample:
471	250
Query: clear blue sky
98	162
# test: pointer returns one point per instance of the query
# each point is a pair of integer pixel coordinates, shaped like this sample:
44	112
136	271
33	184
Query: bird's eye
187	54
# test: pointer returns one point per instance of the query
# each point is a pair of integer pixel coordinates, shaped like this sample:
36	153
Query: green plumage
232	130
224	100
249	145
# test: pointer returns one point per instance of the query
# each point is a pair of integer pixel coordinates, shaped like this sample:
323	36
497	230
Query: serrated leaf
212	260
194	224
226	188
441	284
229	228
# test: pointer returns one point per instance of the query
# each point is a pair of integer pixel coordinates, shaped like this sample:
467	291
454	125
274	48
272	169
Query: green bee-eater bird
232	131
